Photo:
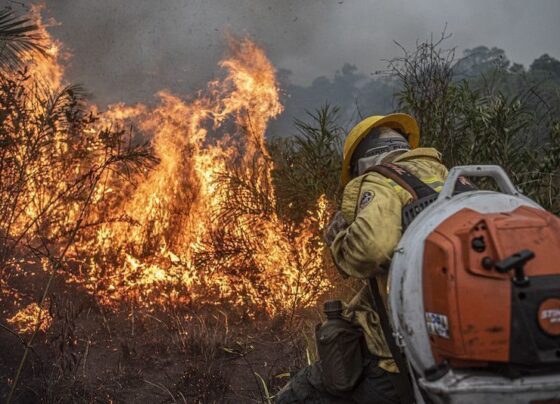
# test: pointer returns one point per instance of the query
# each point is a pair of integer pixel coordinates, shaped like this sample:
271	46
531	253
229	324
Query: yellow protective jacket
372	205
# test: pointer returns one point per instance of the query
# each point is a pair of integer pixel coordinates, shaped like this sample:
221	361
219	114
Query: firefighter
362	237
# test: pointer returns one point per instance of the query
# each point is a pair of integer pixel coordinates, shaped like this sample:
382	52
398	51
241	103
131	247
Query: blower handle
496	172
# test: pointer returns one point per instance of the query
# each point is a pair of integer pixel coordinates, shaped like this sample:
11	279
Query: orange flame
201	226
45	71
29	318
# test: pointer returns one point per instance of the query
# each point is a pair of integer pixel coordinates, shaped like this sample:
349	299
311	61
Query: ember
30	317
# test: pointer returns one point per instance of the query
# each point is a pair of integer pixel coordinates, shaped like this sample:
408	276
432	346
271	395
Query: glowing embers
200	225
30	317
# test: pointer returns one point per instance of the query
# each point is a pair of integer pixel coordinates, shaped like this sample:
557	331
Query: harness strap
405	179
402	381
422	196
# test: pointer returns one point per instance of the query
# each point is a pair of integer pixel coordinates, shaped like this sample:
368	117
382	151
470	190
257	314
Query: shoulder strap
411	183
402	381
419	191
405	179
422	195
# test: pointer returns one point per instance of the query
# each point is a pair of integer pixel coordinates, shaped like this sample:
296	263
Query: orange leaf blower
474	296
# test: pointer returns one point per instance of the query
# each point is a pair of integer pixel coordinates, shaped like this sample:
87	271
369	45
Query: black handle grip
516	262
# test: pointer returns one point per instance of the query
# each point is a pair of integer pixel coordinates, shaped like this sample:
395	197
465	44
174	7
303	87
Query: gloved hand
338	223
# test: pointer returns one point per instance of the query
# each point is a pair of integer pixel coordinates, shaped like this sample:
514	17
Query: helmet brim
399	121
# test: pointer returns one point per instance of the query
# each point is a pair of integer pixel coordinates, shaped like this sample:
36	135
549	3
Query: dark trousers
375	386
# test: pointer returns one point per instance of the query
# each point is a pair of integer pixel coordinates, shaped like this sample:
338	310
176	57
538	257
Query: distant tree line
477	109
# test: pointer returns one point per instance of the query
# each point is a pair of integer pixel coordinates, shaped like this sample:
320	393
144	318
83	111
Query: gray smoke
126	50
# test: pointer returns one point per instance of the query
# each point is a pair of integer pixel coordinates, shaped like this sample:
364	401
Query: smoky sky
126	50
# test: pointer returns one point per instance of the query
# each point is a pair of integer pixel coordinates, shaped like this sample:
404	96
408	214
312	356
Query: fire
201	226
204	228
29	318
46	72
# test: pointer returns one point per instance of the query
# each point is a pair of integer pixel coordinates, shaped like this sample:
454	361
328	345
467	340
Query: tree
548	64
483	120
480	60
307	166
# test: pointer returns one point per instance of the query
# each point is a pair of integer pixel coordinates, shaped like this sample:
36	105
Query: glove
337	224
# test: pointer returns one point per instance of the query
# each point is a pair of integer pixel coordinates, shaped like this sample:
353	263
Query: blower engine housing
474	296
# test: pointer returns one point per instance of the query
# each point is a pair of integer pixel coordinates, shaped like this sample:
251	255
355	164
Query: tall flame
201	226
45	71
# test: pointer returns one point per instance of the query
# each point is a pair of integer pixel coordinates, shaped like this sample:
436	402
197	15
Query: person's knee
376	386
300	389
286	395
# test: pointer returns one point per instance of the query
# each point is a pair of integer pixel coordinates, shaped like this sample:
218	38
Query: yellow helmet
403	122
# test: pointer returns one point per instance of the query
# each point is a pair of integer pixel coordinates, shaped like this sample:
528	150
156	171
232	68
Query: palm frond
19	35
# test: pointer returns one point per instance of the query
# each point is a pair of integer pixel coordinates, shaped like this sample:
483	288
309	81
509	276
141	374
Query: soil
180	355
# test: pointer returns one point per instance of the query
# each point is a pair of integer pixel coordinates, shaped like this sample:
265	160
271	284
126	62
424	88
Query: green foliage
479	61
308	165
426	90
490	116
548	64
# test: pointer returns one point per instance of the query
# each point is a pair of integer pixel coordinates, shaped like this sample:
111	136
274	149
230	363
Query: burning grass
114	219
201	226
31	316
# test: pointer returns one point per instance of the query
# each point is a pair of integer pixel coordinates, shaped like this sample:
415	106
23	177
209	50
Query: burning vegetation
155	207
141	214
201	224
150	252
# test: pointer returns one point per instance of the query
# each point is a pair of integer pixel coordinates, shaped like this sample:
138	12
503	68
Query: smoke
126	50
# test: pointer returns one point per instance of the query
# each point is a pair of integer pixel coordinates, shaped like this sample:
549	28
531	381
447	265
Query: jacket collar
419	152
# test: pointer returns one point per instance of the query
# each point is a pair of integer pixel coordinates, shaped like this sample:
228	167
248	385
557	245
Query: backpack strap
401	381
404	178
422	194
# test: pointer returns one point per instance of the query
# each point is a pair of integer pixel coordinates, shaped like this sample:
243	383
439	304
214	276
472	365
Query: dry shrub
201	336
